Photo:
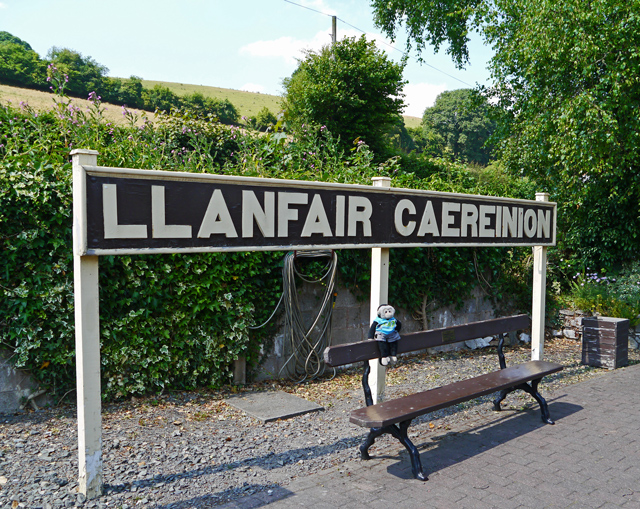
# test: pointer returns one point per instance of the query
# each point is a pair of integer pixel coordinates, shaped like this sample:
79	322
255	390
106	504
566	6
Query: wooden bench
395	416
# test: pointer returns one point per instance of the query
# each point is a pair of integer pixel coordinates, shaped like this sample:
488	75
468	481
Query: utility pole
334	33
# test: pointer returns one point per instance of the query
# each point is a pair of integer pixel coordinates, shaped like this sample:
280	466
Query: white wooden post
539	294
87	318
379	295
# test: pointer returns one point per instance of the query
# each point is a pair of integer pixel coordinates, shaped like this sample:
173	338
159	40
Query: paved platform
589	459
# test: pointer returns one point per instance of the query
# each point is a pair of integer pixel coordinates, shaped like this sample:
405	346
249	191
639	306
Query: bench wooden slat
410	407
414	341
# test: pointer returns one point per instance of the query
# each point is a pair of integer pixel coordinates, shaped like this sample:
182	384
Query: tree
350	87
566	78
85	74
461	118
160	98
263	120
7	37
20	66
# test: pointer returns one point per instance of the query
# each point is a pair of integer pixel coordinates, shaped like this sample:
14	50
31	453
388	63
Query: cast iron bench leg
399	432
368	442
532	390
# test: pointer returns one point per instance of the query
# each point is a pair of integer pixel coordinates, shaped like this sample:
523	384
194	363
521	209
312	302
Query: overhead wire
383	42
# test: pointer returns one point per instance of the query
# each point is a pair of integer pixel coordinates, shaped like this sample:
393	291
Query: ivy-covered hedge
178	321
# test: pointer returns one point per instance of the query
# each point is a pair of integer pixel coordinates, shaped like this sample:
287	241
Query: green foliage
350	87
201	104
432	22
21	66
7	37
428	143
460	118
170	322
565	76
577	127
617	296
84	73
179	321
263	120
399	138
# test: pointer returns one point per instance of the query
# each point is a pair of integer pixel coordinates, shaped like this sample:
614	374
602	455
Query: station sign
129	211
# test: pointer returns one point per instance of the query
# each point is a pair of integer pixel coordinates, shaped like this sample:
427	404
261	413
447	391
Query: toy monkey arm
372	330
398	325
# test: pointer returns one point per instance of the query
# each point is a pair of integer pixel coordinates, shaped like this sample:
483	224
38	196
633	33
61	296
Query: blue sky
240	44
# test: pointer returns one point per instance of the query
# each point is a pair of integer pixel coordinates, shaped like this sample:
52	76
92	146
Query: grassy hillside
44	101
247	103
410	121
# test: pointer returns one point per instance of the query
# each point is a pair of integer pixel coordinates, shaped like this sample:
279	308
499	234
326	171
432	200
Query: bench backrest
414	341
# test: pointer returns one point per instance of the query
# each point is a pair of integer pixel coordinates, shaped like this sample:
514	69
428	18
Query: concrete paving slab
271	406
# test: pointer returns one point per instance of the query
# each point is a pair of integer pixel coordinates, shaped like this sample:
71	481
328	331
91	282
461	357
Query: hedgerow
172	322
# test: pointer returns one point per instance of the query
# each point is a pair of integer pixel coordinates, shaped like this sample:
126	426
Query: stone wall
571	327
16	388
351	321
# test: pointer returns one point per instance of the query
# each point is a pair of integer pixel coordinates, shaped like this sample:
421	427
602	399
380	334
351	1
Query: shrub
178	321
618	296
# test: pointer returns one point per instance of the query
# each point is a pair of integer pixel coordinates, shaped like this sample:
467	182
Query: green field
412	121
247	103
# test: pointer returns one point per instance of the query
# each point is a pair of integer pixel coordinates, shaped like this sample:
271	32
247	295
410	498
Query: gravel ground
193	450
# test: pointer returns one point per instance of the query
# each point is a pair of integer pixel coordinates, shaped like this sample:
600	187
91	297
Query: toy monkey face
386	312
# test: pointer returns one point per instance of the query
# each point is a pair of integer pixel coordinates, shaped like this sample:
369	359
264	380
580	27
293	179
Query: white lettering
530	223
544	223
401	228
360	210
447	219
469	219
484	222
340	208
509	222
113	230
159	228
285	214
265	219
520	221
428	224
217	219
317	221
498	221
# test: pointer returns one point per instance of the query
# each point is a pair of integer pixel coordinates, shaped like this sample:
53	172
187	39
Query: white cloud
287	48
419	96
252	87
3	6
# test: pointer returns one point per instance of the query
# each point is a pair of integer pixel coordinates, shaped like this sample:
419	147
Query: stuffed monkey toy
385	330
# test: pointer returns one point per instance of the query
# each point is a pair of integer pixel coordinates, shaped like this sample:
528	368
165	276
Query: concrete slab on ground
271	406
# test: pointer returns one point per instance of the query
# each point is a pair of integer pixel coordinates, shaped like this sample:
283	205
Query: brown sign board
147	211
